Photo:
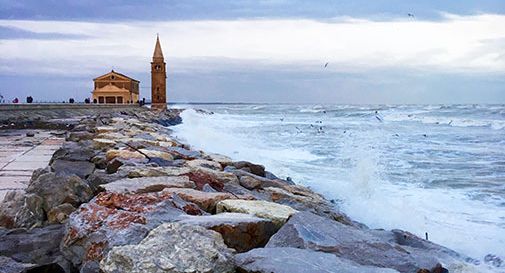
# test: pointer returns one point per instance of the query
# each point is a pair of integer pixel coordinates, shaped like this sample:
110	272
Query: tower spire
157	49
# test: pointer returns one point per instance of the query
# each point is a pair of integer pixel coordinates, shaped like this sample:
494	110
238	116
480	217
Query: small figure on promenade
29	99
16	100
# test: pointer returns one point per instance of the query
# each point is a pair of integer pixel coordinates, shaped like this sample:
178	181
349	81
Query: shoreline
126	178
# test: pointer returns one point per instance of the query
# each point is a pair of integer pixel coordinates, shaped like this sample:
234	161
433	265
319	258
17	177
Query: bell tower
158	78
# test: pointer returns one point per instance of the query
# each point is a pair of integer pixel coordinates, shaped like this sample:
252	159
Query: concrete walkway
21	155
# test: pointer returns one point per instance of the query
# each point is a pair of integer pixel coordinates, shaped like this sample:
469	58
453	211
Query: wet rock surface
309	231
287	260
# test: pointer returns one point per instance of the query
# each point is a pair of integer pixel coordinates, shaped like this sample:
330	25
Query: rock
112	219
105	129
56	190
181	153
188	207
202	163
160	162
205	200
80	135
255	169
246	194
73	152
9	207
216	179
288	260
309	231
124	154
264	209
100	161
99	177
38	246
59	214
103	143
31	214
30	134
158	154
65	168
265	182
144	171
221	159
303	199
241	232
208	188
147	184
9	265
269	175
172	247
250	182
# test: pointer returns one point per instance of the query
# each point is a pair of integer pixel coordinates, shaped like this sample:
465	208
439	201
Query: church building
158	78
115	88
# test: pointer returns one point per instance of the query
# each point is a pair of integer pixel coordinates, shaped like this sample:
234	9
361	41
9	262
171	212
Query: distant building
158	77
115	88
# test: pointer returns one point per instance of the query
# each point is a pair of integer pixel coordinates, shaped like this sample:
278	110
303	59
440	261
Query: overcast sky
260	51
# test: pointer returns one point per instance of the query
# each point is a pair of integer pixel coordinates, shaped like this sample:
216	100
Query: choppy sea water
438	169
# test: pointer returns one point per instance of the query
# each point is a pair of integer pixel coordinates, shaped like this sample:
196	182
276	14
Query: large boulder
56	190
181	153
66	167
73	152
303	199
124	154
38	246
265	182
46	193
10	206
309	231
288	260
9	265
255	169
147	171
158	154
240	231
202	163
205	200
216	179
147	184
279	214
113	219
172	247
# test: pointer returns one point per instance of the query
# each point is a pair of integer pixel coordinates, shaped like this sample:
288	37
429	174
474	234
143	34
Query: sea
435	169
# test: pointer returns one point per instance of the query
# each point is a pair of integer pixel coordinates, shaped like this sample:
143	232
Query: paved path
21	155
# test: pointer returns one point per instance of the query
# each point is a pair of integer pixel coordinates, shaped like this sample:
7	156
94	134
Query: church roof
117	74
157	49
111	88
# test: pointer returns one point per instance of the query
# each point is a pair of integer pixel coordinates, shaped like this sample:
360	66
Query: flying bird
325	65
410	15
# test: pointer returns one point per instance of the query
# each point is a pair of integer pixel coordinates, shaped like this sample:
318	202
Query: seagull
325	65
410	15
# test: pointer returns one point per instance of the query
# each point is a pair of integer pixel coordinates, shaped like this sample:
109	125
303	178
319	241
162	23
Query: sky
264	51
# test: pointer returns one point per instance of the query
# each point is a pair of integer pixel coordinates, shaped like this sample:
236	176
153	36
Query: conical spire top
157	49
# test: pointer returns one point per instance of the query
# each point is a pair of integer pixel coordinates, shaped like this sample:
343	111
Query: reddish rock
113	219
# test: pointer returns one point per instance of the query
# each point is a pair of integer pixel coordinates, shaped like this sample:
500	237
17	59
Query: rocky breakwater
121	195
